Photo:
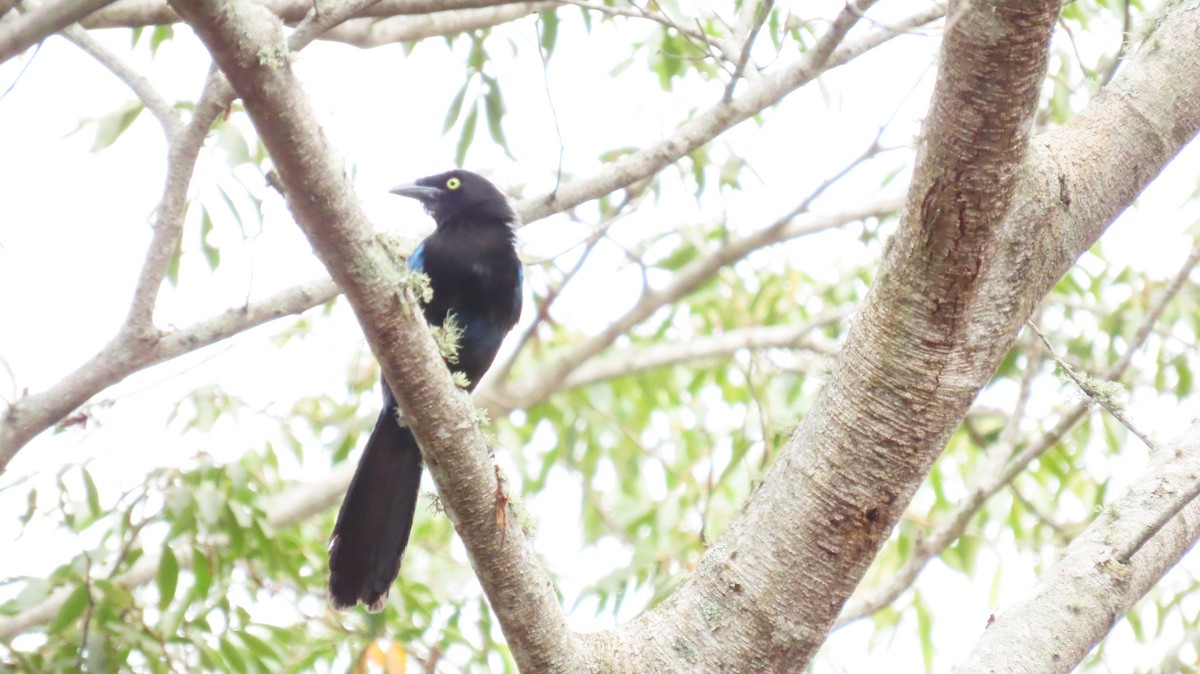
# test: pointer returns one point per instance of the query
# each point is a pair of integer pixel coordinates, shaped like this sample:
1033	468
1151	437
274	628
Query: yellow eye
453	183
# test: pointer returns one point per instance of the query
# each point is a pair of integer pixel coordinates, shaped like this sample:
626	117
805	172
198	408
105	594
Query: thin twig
162	110
1075	48
1126	552
87	616
764	10
636	12
550	100
36	24
956	522
24	67
555	370
502	370
1058	528
1119	57
1095	391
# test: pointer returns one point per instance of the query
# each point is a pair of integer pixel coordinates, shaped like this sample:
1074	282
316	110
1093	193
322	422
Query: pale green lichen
447	337
274	57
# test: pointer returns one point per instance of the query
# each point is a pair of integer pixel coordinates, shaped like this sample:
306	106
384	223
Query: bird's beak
425	195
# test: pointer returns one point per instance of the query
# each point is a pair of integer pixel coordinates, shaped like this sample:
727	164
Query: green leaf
173	264
167	577
202	572
71	609
259	647
549	32
160	35
110	127
233	210
1183	374
93	496
212	254
232	657
468	134
494	106
478	55
455	106
925	632
230	138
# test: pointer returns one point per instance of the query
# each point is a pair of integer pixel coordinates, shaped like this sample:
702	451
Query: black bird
475	274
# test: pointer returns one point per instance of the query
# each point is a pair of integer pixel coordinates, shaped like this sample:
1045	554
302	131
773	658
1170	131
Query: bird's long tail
376	518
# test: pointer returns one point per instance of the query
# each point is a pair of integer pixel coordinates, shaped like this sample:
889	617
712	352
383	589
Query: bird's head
459	196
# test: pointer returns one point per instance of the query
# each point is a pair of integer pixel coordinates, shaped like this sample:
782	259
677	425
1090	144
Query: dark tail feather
376	517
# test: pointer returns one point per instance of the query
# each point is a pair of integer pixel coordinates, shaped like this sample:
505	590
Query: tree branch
632	361
929	335
375	32
138	340
141	13
33	413
30	416
956	522
158	106
247	41
554	370
1076	603
709	124
35	25
1093	389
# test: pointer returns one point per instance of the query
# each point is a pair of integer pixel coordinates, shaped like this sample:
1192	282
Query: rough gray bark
993	221
247	42
1088	589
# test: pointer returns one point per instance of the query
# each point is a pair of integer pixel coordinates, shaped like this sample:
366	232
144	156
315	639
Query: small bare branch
932	544
764	10
32	414
158	106
1100	391
556	369
141	13
374	32
35	25
632	361
1077	601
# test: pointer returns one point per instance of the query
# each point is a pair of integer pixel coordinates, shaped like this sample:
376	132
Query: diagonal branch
556	369
158	106
957	521
1078	182
31	415
247	42
1094	389
40	22
138	343
709	124
632	361
764	10
938	319
1075	603
142	13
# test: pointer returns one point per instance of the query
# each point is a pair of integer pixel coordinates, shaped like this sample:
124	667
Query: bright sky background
74	226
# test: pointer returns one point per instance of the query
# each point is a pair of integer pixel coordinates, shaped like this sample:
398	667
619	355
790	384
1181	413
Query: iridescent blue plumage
475	275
